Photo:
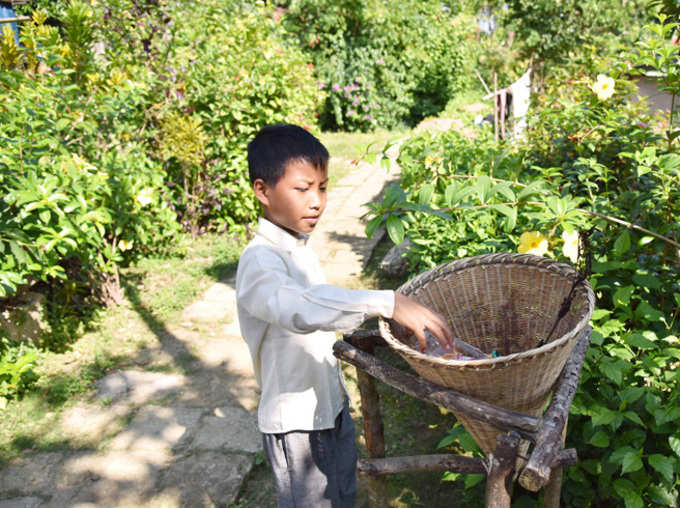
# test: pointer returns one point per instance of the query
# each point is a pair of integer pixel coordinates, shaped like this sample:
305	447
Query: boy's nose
315	200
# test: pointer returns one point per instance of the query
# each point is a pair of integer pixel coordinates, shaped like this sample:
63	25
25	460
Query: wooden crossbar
544	466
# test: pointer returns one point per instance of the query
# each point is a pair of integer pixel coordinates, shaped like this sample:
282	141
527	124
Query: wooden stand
544	466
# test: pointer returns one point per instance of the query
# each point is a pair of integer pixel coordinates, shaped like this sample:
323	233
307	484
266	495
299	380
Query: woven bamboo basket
506	302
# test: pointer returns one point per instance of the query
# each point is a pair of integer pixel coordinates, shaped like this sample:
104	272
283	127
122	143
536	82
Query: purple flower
336	88
380	61
367	117
355	101
322	86
351	112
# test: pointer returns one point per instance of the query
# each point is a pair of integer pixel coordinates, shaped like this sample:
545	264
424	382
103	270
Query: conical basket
506	302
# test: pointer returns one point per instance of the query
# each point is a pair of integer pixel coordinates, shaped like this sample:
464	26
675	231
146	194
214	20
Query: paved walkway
183	439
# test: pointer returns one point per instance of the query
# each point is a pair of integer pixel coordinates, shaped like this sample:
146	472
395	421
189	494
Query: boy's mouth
311	219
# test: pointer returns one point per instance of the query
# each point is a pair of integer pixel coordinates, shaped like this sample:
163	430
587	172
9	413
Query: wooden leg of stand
370	412
553	490
501	464
376	486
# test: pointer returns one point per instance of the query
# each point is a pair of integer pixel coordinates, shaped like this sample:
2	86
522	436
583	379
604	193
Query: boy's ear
261	190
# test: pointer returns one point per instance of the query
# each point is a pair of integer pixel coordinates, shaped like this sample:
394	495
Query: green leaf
600	313
633	417
454	194
505	190
531	189
627	490
395	229
663	465
622	244
483	189
62	123
638	340
473	479
645	311
622	296
373	225
425	194
661	495
448	476
600	439
632	394
394	195
631	462
467	442
647	280
602	415
506	210
612	370
674	443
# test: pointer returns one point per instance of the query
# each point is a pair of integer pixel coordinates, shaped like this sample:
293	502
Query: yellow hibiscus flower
125	245
570	247
533	242
603	87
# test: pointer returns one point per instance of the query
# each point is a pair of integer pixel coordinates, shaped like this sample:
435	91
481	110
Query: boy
289	317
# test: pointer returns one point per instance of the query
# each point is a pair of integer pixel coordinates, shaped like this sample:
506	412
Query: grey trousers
315	469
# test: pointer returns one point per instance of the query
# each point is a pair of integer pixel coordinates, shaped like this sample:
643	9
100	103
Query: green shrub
76	199
382	66
215	73
16	369
550	32
590	163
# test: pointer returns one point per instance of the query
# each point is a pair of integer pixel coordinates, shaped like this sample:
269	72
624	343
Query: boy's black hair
277	145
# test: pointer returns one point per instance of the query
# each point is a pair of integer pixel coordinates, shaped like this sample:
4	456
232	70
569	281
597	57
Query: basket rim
538	262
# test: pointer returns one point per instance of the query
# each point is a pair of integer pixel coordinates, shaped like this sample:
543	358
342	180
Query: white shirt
288	317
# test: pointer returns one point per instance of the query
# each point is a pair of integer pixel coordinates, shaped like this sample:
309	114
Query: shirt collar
279	236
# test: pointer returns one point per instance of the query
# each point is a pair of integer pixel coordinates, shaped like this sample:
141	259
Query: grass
156	289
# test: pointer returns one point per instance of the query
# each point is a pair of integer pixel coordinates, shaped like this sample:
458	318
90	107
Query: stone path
190	439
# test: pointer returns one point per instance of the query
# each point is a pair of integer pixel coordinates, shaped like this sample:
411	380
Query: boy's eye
301	189
322	189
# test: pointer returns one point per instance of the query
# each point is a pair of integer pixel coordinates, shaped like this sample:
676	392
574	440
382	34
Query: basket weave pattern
506	302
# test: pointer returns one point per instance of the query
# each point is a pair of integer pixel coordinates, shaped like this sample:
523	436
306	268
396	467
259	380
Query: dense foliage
382	65
590	163
118	135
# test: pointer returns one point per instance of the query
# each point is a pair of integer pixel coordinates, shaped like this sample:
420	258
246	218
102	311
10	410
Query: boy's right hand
416	318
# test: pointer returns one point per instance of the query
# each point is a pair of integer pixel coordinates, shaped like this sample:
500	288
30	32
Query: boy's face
297	200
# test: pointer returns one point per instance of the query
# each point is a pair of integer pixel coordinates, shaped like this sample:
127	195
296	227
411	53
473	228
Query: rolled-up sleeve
267	292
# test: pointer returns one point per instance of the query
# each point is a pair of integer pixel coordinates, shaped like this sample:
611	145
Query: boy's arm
267	292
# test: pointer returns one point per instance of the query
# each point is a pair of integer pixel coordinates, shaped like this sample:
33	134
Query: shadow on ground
173	426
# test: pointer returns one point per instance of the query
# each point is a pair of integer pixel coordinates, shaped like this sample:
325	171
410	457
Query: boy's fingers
442	337
422	340
442	331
